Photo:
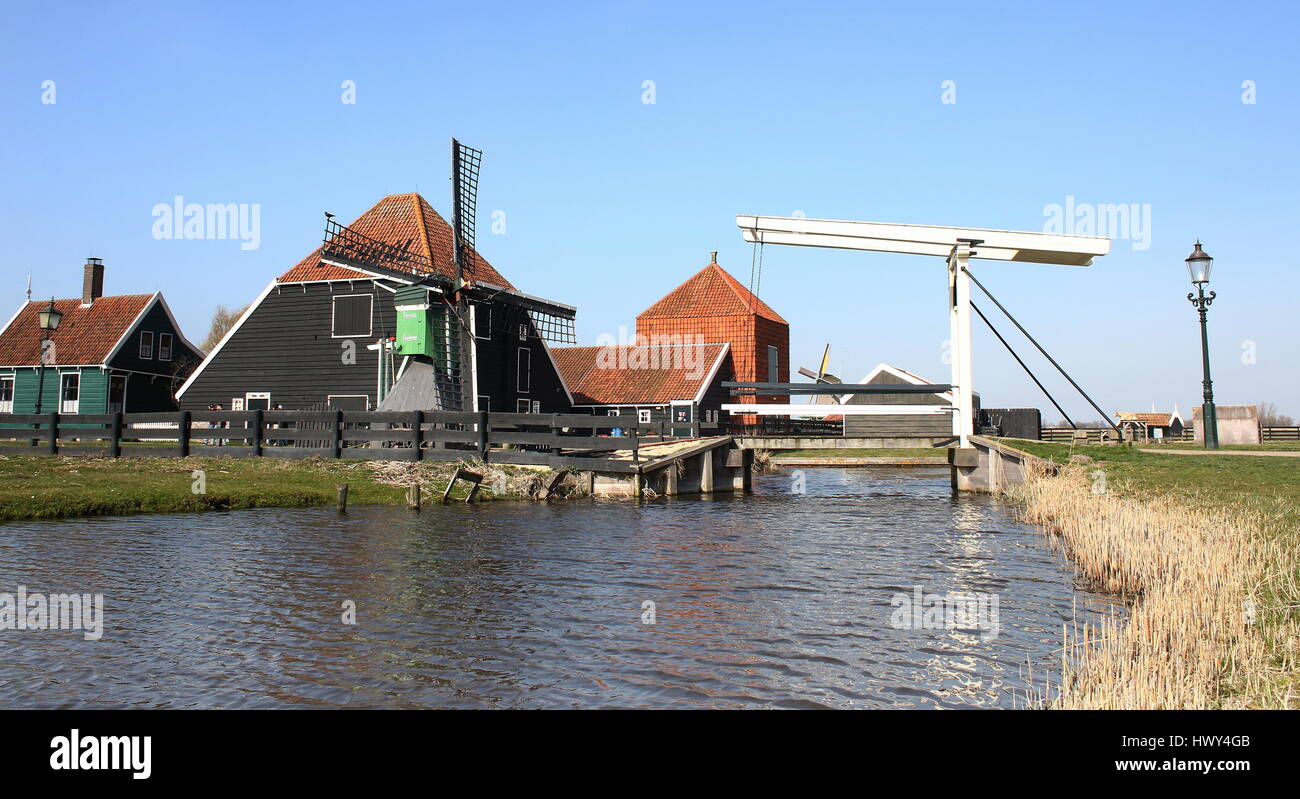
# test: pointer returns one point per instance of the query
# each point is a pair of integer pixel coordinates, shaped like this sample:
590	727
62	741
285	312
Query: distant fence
771	425
1066	434
556	440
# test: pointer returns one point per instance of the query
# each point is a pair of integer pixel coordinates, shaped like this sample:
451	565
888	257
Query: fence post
183	434
555	431
483	443
636	444
257	433
54	432
417	439
336	439
115	443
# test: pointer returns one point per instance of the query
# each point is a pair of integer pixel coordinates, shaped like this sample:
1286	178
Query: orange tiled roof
403	220
636	375
84	336
710	292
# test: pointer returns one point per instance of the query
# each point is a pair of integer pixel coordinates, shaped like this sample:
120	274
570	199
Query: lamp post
49	319
1198	268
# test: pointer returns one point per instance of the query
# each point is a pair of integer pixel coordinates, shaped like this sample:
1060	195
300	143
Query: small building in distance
673	383
925	417
110	354
1238	424
1150	426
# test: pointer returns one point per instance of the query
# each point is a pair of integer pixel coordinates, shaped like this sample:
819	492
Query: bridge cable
1041	387
1032	340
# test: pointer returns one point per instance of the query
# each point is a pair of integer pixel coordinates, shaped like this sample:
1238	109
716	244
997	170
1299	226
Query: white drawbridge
956	246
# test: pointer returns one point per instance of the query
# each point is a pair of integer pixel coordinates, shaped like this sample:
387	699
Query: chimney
713	257
92	284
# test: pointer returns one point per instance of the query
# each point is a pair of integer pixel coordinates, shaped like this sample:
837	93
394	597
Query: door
117	393
69	392
257	401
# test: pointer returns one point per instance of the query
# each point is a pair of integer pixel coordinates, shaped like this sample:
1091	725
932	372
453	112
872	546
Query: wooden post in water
343	498
413	497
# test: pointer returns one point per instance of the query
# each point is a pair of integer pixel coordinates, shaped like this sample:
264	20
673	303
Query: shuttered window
352	316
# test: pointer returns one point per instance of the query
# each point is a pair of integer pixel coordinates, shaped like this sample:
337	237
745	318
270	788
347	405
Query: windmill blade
826	361
465	163
806	372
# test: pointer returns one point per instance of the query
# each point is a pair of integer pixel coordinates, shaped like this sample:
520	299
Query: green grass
43	487
1268	485
916	452
1270	446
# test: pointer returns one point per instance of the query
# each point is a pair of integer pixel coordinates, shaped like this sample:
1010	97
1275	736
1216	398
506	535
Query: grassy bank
1206	551
42	487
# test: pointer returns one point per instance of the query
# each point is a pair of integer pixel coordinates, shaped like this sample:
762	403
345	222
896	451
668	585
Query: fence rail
523	438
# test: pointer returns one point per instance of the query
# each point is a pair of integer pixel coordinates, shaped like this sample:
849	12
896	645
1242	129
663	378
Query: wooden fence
1066	434
556	440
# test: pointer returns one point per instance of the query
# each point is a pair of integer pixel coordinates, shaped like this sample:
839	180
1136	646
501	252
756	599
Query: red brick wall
749	336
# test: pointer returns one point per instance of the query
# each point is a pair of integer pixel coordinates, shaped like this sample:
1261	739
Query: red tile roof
710	292
1156	419
402	220
636	375
84	336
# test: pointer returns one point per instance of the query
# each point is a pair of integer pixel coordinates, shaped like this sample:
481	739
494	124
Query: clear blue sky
834	110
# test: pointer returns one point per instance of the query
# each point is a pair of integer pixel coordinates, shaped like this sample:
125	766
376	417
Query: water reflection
766	600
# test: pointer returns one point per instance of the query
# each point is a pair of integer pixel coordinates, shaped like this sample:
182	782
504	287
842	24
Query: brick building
713	307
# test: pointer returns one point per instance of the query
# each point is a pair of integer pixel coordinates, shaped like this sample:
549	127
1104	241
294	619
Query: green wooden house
109	354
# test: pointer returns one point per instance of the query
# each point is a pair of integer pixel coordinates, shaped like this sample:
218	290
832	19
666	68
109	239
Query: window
164	346
348	402
484	402
69	392
351	317
643	416
773	364
525	369
483	321
6	395
257	400
522	406
537	406
611	411
116	393
523	332
146	345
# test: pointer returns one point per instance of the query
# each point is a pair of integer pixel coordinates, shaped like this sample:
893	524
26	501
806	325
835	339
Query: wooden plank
371	454
403	436
219	452
150	452
294	453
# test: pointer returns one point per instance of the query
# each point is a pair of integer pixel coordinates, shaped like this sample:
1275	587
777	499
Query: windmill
822	376
445	303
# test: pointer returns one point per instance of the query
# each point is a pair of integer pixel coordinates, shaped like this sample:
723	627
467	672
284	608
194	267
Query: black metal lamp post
1198	267
49	319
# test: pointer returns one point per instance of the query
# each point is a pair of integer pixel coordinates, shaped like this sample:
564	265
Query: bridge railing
521	438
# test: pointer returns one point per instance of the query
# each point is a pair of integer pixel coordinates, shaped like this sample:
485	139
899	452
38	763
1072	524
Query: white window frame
108	399
140	350
643	416
524	376
370	327
484	402
522	406
523	332
249	396
7	406
236	403
165	337
537	406
65	405
613	412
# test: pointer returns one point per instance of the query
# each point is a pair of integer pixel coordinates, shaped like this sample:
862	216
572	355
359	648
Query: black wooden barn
329	332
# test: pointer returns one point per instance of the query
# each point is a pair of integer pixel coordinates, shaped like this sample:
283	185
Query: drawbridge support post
960	354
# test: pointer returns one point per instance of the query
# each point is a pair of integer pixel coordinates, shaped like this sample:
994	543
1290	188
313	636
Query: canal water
792	596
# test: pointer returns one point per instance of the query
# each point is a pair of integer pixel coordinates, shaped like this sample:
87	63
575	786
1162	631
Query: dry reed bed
1210	593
